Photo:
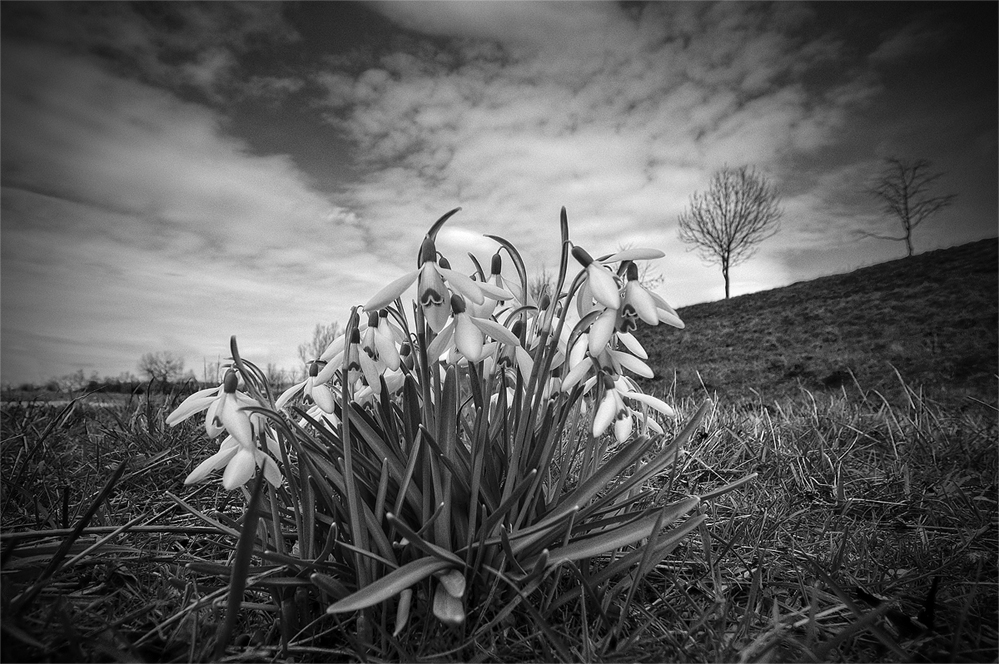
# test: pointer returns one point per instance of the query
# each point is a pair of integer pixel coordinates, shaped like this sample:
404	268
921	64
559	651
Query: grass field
866	404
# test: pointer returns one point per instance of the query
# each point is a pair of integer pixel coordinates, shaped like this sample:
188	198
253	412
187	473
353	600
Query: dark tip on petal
518	327
444	263
383	313
497	264
608	381
457	303
632	271
314	369
373	319
581	255
405	348
230	381
546	301
355	336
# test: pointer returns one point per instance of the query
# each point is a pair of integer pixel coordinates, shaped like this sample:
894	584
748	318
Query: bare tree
903	190
163	366
727	223
322	337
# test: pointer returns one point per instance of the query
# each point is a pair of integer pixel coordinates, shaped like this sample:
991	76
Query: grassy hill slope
933	317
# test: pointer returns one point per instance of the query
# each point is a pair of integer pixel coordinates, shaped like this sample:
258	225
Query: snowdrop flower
314	390
434	277
600	285
614	408
238	452
466	333
224	405
239	461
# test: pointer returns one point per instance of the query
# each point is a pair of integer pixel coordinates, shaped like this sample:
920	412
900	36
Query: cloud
618	115
915	37
132	221
195	45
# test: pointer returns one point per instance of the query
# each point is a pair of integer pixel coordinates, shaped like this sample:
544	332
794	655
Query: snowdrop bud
497	264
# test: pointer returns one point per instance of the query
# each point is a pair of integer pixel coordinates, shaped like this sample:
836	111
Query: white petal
468	338
389	293
604	287
632	344
643	303
437	316
212	425
236	420
472	290
195	403
271	471
434	297
385	345
494	292
326	373
440	344
651	401
584	299
496	331
323	397
670	318
622	426
525	362
635	254
633	364
213	462
601	331
605	413
576	374
371	372
239	469
286	396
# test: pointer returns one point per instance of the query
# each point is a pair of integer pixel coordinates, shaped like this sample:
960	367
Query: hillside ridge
932	317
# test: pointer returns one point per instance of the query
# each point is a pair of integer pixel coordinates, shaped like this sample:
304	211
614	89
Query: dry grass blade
20	603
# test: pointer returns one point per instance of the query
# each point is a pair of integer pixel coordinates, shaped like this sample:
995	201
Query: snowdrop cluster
489	321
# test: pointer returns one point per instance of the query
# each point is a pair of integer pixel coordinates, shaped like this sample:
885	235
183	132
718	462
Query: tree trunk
725	274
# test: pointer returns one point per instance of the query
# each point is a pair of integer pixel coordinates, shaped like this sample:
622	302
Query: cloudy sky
173	174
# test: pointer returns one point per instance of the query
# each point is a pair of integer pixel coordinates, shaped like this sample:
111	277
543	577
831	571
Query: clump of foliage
443	470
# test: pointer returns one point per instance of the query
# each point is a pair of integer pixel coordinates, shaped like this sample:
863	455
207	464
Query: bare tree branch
903	191
322	337
727	223
163	366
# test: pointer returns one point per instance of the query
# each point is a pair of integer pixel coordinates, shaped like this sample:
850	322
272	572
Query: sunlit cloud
617	115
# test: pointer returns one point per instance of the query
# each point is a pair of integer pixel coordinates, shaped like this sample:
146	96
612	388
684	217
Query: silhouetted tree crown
903	190
727	223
